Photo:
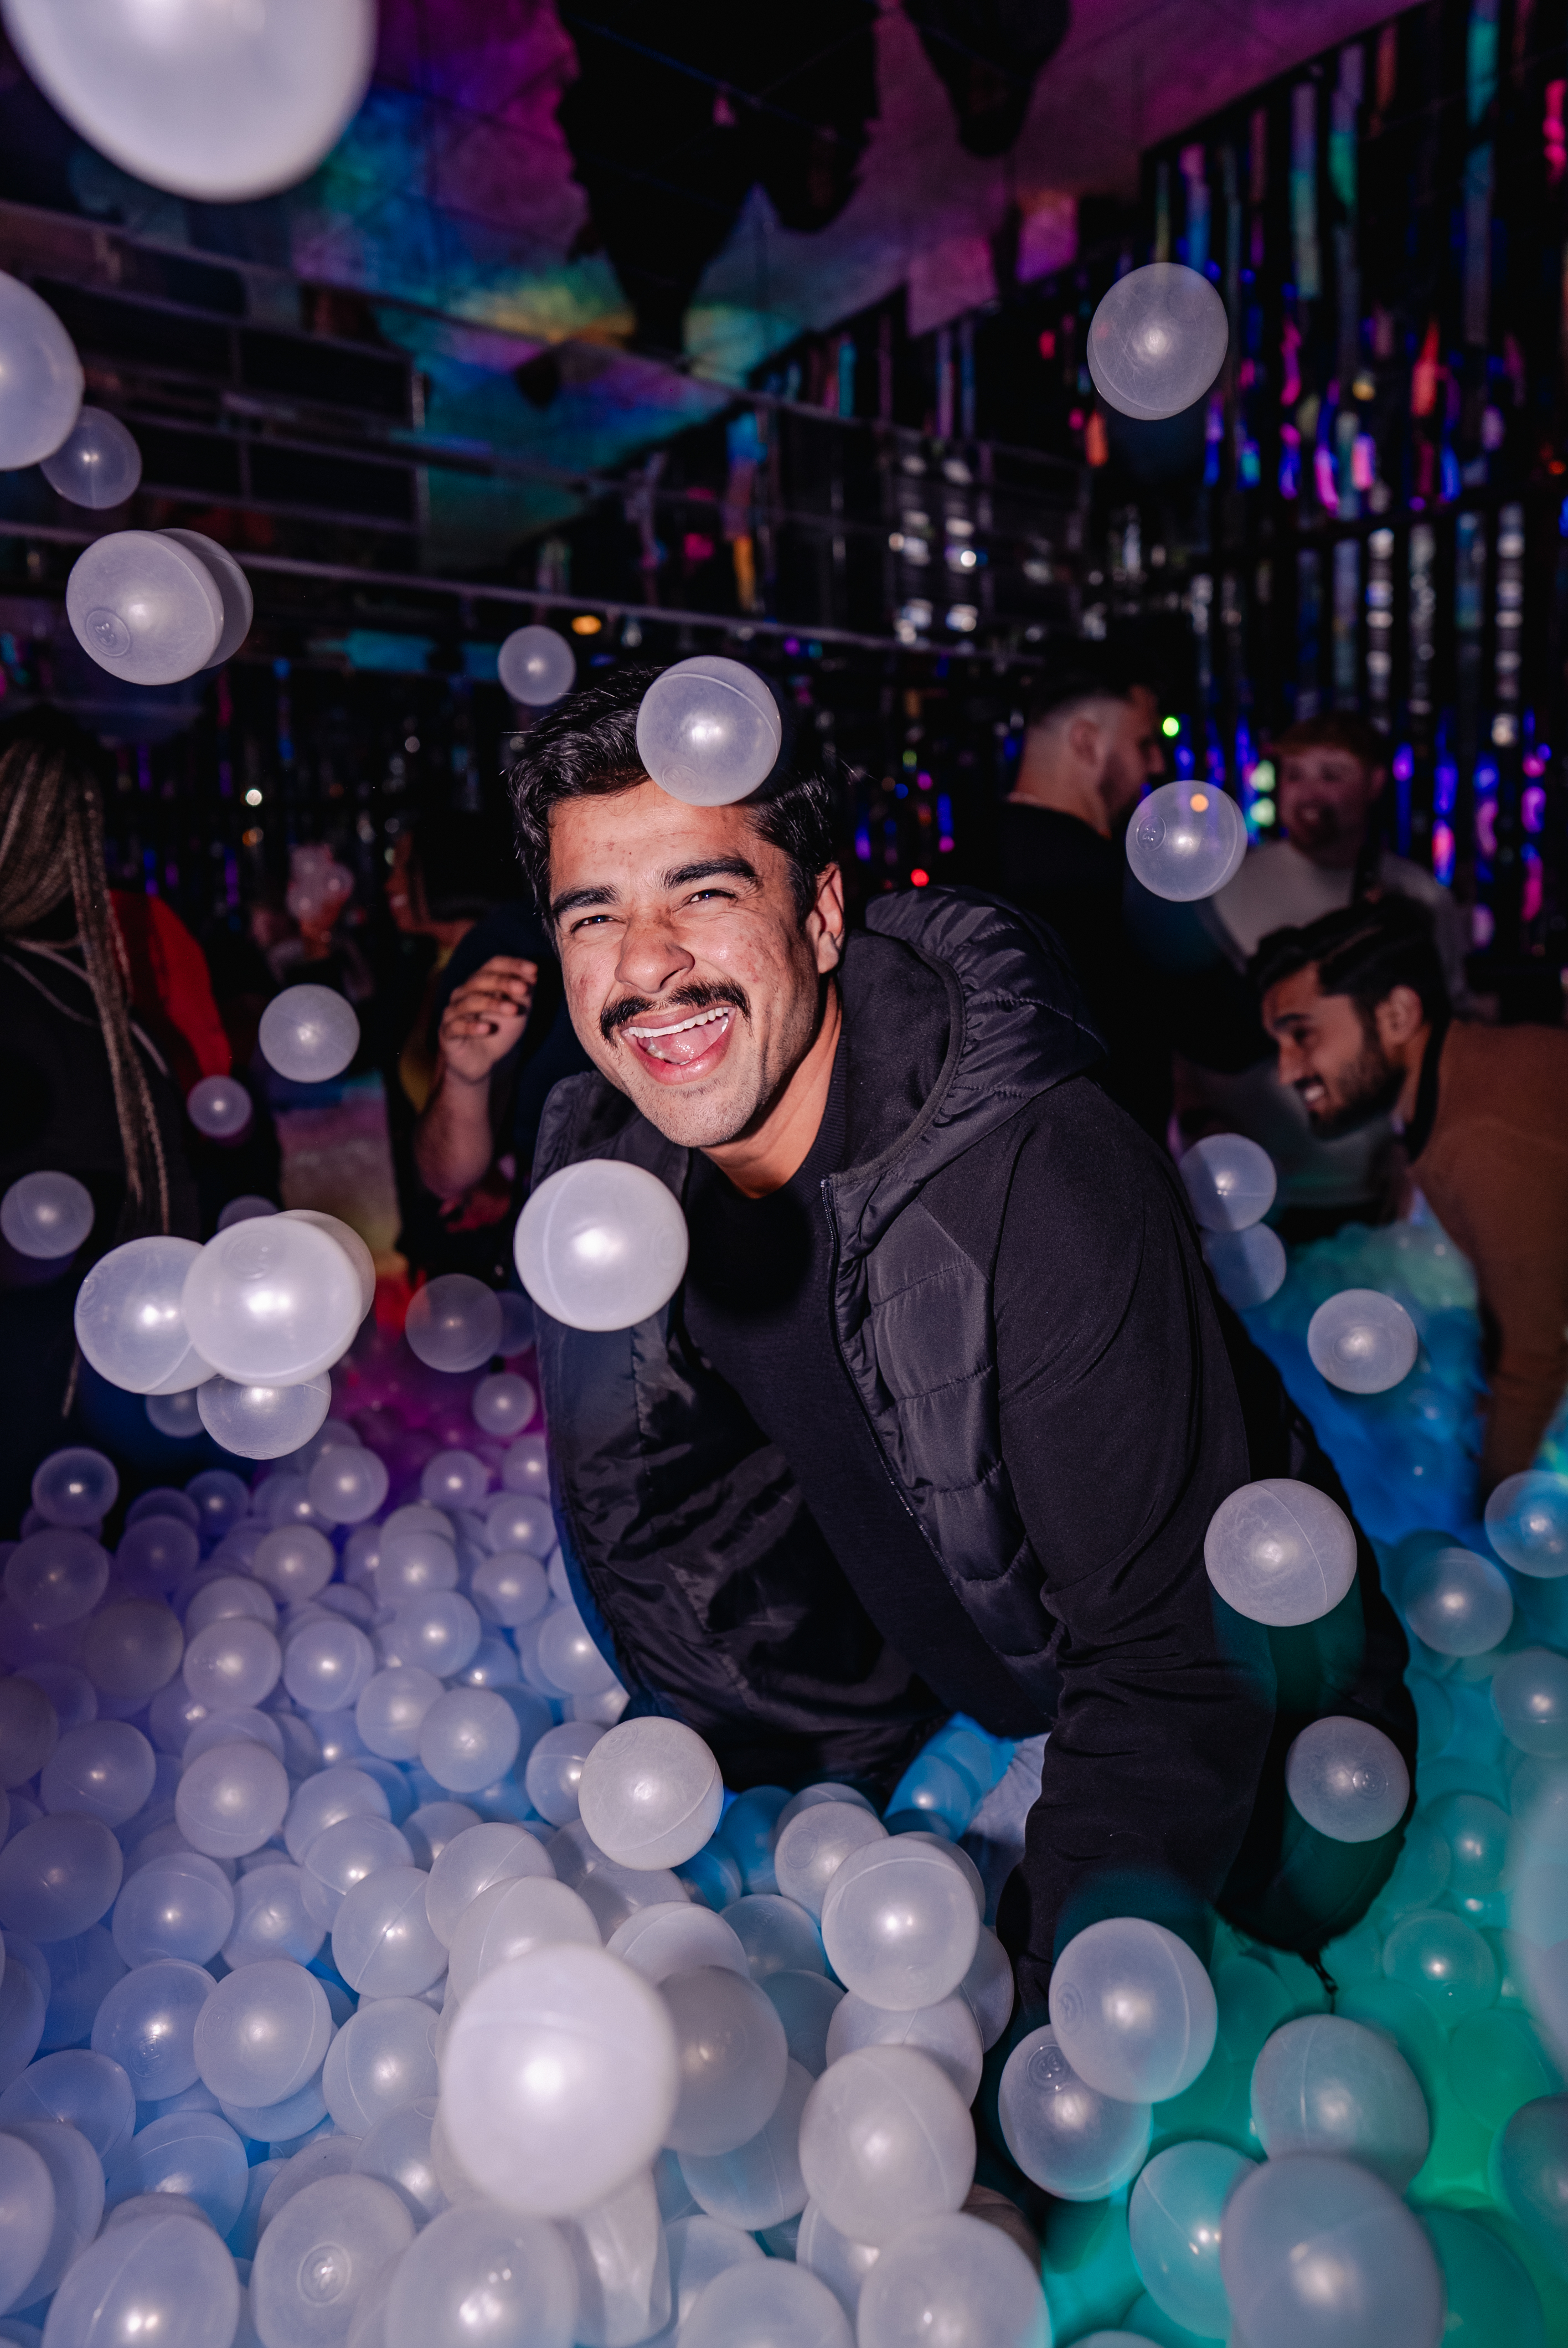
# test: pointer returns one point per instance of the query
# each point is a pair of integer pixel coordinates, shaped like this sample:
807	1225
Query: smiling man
1357	1006
942	1410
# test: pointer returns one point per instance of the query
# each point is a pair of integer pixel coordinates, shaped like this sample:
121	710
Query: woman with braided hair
93	1069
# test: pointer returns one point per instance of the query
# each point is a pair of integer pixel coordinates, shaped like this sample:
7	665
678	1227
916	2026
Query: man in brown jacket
1357	1006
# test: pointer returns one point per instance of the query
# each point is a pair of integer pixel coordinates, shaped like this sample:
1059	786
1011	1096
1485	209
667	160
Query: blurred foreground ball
271	1301
233	588
219	1107
1362	1341
1185	841
650	1794
1347	1779
309	1034
536	666
40	377
220	103
1527	1523
559	2080
144	607
98	465
1230	1181
601	1245
1248	1267
258	1422
708	731
1318	2251
129	1318
1157	341
1280	1551
46	1215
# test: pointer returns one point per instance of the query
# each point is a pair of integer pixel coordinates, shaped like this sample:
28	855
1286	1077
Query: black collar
1419	1131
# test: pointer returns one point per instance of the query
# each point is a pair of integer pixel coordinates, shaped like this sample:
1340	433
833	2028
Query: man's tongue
685	1044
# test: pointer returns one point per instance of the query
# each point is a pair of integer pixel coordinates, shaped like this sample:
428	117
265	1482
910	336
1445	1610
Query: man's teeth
652	1038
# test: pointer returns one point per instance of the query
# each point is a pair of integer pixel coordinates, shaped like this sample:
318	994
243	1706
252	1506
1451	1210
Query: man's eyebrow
571	900
711	868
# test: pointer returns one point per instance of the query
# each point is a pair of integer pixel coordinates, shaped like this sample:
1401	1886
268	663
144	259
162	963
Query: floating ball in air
1185	841
1458	1603
218	104
309	1034
1319	2253
708	731
559	2080
601	1245
1249	1267
1230	1181
129	1320
1347	1779
1280	1551
245	1209
177	1415
1527	1523
1133	2010
98	465
144	607
40	377
233	588
346	1238
454	1322
1157	341
75	1486
46	1215
271	1301
536	666
219	1107
650	1795
259	1422
1362	1341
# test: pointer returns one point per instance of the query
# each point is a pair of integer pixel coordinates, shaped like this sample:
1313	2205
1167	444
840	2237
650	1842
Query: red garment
170	992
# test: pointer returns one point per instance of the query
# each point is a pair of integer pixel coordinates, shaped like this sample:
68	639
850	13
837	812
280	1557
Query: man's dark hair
1364	951
1336	729
586	747
1086	671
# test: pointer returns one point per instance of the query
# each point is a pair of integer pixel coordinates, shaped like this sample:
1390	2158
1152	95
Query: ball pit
343	1938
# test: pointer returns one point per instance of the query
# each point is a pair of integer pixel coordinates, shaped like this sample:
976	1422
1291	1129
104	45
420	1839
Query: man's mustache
703	995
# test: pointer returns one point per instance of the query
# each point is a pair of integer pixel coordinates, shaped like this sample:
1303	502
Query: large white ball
1280	1551
144	607
708	731
222	103
536	666
271	1301
559	2080
40	378
651	1793
1157	341
1186	841
601	1245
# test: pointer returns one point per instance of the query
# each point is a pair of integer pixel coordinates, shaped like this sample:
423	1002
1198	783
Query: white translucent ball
520	1520
536	666
1133	2010
348	1484
678	1937
353	1246
232	1665
309	1034
390	1712
559	2080
46	1215
760	2183
273	1301
651	1793
1458	1603
220	104
1362	1341
601	1245
899	1924
219	1107
708	731
244	1209
156	2277
258	1422
814	1845
263	2032
1347	1779
382	1942
1186	841
468	1738
730	2044
1527	1523
40	377
320	2258
948	2032
504	1403
885	2142
771	2305
1230	1181
1249	1267
129	1320
1157	341
233	588
509	1920
98	464
554	1773
1318	2252
454	1323
176	1414
957	2279
145	608
56	1575
293	1562
231	1800
485	2276
1280	1551
328	1665
76	1487
474	1861
1077	2143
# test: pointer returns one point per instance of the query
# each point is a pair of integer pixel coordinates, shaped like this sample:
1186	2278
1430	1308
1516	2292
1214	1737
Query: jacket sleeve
1122	1433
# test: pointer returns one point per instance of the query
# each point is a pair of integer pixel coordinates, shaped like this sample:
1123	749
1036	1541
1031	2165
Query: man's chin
701	1116
1336	1124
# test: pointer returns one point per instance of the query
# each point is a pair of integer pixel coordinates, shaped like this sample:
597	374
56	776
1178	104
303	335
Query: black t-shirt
757	1304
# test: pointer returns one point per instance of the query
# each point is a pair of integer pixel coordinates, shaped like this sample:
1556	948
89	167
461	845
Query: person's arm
1122	1434
454	1141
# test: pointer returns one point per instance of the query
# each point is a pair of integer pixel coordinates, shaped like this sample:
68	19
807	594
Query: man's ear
825	923
1086	740
1399	1018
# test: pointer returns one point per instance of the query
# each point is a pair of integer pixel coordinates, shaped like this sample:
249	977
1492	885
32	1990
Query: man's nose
651	955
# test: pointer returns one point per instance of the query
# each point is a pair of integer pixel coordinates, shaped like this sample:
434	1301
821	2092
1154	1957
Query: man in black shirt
944	1406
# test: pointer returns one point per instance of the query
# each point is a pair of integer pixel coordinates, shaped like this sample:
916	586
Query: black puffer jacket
1063	1504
